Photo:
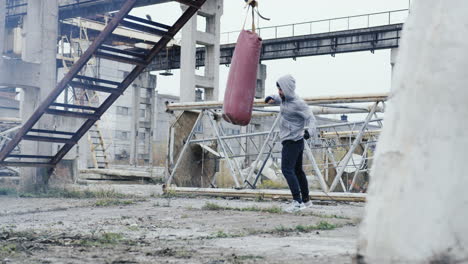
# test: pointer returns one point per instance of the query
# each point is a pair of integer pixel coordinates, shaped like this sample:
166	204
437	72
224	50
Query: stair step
97	88
125	52
72	114
30	156
127	60
82	107
49	139
96	80
26	164
146	21
52	132
143	28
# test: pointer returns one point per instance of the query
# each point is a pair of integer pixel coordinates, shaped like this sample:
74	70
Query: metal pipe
359	98
349	133
267	132
322	110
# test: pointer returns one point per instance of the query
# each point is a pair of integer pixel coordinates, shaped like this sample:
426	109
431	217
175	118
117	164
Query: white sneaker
308	204
295	207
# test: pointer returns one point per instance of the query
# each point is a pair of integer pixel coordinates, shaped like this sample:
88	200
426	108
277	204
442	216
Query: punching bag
242	80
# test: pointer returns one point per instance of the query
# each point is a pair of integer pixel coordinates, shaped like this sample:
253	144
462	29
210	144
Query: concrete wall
417	200
162	124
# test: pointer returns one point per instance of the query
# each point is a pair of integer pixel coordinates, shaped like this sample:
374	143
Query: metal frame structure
50	106
340	35
358	131
332	25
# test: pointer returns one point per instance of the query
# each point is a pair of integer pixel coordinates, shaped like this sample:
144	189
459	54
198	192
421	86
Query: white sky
361	72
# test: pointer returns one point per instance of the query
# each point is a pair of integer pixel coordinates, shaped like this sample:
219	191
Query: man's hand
306	134
269	100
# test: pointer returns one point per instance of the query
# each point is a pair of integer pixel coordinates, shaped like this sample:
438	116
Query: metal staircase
88	114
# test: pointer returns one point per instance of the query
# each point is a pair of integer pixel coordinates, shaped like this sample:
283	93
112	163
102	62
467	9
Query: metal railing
325	25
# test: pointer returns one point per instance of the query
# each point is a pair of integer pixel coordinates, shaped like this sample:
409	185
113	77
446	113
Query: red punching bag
242	80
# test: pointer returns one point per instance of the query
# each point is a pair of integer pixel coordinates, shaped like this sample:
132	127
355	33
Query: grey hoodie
295	113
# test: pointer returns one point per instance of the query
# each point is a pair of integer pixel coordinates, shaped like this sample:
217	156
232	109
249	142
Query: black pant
291	166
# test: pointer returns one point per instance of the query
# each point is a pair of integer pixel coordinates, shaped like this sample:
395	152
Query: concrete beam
17	73
204	82
368	39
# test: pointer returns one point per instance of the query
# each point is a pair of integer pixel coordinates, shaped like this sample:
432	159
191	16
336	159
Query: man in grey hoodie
295	116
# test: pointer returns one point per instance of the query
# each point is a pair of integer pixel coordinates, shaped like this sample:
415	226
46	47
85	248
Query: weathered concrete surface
40	45
417	201
17	73
174	230
196	168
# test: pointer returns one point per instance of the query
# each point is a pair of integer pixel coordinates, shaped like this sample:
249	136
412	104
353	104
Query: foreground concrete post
417	203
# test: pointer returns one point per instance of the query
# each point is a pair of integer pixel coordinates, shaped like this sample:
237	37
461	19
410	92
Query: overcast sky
361	72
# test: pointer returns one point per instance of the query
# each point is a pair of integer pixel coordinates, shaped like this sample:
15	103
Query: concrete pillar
40	45
32	32
261	78
187	61
416	211
135	125
212	11
29	176
2	26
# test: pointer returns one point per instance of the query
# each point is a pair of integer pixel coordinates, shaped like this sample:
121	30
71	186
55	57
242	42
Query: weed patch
75	194
112	202
8	191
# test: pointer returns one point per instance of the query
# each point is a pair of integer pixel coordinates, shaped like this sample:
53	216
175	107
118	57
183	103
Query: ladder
87	114
98	148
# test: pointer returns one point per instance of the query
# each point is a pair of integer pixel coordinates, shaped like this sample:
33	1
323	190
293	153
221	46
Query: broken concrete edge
266	194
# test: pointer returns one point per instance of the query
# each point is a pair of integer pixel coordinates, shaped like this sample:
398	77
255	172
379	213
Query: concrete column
261	78
29	176
212	11
187	61
135	125
213	27
41	27
2	25
416	211
32	32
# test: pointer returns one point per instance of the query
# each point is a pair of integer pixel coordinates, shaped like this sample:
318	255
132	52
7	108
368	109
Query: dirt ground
161	229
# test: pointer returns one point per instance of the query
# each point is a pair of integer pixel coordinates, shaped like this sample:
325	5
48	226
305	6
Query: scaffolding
338	158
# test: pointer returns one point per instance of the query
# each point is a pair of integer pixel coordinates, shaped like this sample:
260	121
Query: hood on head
287	83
